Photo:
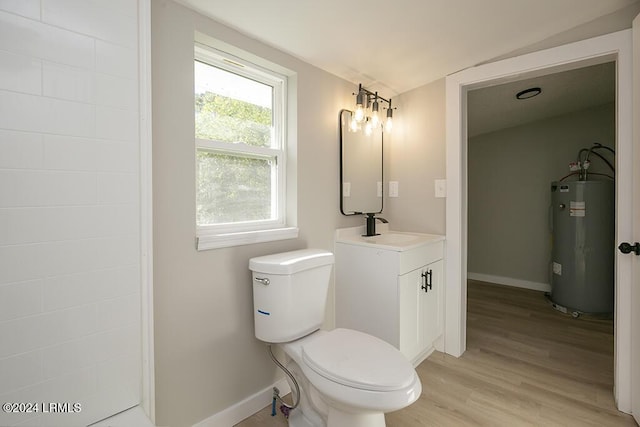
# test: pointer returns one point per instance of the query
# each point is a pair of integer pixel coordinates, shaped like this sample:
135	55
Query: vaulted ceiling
397	45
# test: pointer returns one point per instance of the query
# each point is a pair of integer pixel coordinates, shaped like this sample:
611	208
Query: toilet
345	377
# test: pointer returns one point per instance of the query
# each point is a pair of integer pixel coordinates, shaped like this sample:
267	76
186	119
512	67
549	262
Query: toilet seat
358	360
325	366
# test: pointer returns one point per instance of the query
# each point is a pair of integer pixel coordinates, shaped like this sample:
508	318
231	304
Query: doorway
516	148
613	47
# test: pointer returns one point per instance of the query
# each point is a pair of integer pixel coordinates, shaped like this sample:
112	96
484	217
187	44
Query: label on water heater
557	269
577	209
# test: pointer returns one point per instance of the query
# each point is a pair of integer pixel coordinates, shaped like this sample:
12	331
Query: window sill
223	240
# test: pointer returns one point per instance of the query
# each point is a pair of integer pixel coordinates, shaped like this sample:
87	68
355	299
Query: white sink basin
393	238
387	239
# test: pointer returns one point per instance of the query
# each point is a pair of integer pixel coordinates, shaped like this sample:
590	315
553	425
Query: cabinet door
410	299
431	304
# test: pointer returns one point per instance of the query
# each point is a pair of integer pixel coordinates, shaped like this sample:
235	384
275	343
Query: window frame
211	236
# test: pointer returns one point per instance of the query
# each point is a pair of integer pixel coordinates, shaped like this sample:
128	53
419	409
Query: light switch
441	188
393	189
379	189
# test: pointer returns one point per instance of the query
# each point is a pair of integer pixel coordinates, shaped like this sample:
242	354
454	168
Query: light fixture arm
362	92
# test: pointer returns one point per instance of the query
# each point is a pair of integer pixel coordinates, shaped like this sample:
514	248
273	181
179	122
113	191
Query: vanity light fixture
366	99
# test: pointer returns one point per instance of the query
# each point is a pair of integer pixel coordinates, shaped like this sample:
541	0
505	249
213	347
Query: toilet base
339	418
313	410
297	419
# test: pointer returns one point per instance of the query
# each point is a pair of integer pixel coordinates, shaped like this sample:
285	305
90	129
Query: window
240	138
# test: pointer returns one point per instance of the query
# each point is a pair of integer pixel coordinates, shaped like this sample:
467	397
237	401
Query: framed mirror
360	168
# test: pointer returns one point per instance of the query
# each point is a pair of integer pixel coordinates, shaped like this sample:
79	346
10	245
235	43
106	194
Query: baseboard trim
510	281
244	409
422	356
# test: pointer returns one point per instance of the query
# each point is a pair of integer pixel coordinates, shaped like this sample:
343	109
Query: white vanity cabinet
420	309
394	293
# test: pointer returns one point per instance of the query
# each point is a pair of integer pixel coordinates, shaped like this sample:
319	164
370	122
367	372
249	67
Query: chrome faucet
371	224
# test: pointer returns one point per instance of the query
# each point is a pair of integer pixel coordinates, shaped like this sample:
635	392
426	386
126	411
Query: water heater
582	277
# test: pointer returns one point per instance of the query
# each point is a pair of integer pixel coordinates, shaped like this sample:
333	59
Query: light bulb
375	118
353	125
359	106
359	116
388	125
368	128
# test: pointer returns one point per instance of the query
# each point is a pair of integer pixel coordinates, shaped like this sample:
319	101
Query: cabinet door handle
427	278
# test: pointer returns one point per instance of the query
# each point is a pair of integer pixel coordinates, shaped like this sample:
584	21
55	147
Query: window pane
232	108
232	188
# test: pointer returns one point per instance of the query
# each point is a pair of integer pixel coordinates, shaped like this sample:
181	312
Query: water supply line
285	408
583	165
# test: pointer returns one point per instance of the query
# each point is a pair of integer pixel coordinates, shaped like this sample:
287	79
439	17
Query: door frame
635	291
611	47
146	210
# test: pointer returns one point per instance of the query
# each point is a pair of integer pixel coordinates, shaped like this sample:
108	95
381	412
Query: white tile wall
33	225
116	124
67	82
20	371
28	8
93	19
116	60
33	113
115	91
69	207
28	37
21	299
46	188
85	154
20	73
20	150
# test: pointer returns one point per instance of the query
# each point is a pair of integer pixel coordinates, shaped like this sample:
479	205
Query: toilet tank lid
291	262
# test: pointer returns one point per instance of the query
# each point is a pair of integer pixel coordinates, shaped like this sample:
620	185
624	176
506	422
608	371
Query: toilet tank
290	293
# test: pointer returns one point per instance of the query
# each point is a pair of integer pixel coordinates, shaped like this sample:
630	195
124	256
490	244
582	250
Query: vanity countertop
386	239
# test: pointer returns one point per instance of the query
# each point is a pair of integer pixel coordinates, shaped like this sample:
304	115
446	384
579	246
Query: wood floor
525	365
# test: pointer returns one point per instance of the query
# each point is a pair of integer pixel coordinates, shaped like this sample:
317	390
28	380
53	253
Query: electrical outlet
393	189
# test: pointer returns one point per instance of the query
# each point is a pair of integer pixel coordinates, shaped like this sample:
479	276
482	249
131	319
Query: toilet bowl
346	377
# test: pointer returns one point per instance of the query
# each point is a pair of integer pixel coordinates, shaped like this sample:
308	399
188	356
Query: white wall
510	172
415	154
207	358
69	209
415	157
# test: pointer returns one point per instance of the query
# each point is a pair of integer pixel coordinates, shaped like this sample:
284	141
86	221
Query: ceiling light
529	93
